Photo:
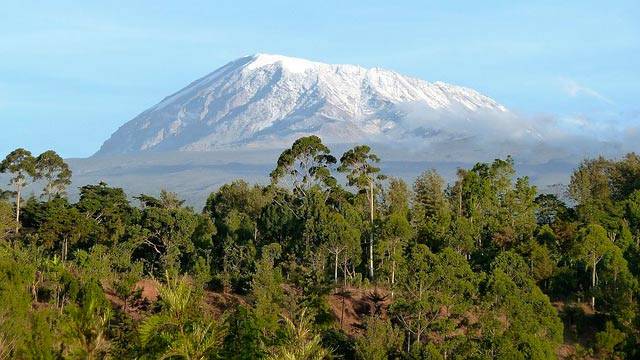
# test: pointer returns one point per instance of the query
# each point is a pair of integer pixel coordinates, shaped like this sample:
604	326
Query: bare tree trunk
345	270
335	269
593	286
64	249
371	234
34	286
18	195
393	272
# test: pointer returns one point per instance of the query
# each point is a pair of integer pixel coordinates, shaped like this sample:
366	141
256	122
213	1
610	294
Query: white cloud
483	135
575	89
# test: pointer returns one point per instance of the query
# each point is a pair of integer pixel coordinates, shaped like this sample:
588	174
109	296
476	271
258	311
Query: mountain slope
266	101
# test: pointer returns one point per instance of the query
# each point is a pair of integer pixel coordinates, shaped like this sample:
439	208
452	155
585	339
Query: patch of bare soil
580	326
217	303
352	306
144	294
148	289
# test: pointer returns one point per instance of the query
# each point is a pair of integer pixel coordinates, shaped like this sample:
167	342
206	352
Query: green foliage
519	320
304	165
244	337
300	342
85	328
16	275
466	270
438	291
178	331
62	227
267	290
432	216
341	239
380	340
172	236
550	209
608	339
22	167
236	210
108	212
358	164
7	220
396	233
51	168
21	164
591	248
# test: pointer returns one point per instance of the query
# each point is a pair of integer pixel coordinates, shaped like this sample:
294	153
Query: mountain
234	122
266	101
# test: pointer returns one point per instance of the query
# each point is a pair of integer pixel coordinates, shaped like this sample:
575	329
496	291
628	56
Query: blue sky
72	72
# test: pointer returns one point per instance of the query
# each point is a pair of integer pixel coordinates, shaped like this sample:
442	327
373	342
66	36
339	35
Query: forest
332	259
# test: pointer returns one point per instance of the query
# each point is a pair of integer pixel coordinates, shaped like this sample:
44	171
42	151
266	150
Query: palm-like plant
85	330
199	342
301	343
7	345
184	336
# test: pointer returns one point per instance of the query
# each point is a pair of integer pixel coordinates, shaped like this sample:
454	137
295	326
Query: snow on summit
289	63
266	101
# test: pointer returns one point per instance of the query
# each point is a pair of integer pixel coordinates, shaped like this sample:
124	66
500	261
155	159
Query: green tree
429	195
517	320
62	226
267	291
480	195
437	293
397	197
617	288
17	273
7	220
352	254
593	244
590	188
55	172
237	211
85	329
380	340
396	233
542	264
339	237
180	330
549	209
244	338
624	176
431	214
359	165
171	234
608	340
304	165
109	211
240	197
22	165
300	341
520	209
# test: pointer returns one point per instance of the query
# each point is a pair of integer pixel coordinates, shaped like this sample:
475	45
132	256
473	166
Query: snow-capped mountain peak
291	64
268	100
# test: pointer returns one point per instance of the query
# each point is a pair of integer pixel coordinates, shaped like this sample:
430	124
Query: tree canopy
480	266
